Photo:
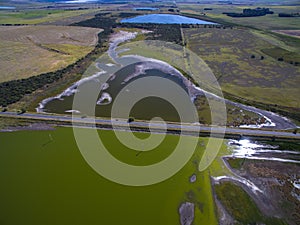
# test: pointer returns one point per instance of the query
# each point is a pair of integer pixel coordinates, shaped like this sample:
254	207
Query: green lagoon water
45	180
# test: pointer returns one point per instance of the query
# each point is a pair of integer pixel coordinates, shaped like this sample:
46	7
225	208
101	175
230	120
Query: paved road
156	125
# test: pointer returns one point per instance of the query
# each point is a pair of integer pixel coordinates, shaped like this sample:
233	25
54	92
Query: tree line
289	14
163	32
250	12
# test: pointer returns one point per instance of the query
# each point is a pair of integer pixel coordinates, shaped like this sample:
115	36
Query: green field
45	180
246	63
39	16
32	50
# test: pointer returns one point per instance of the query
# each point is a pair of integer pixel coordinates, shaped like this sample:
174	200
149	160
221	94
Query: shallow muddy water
145	109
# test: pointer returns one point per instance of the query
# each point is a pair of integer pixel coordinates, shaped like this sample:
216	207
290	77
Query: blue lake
7	7
145	9
164	19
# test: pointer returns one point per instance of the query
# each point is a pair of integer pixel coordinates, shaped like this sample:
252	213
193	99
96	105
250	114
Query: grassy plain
39	16
238	57
31	50
45	180
257	61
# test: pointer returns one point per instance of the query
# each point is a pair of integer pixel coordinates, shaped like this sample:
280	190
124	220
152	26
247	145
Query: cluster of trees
166	32
281	59
101	20
250	12
218	26
173	10
13	91
261	57
295	63
75	9
163	32
128	14
17	24
289	14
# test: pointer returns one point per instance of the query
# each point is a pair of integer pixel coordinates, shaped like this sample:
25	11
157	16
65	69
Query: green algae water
45	180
